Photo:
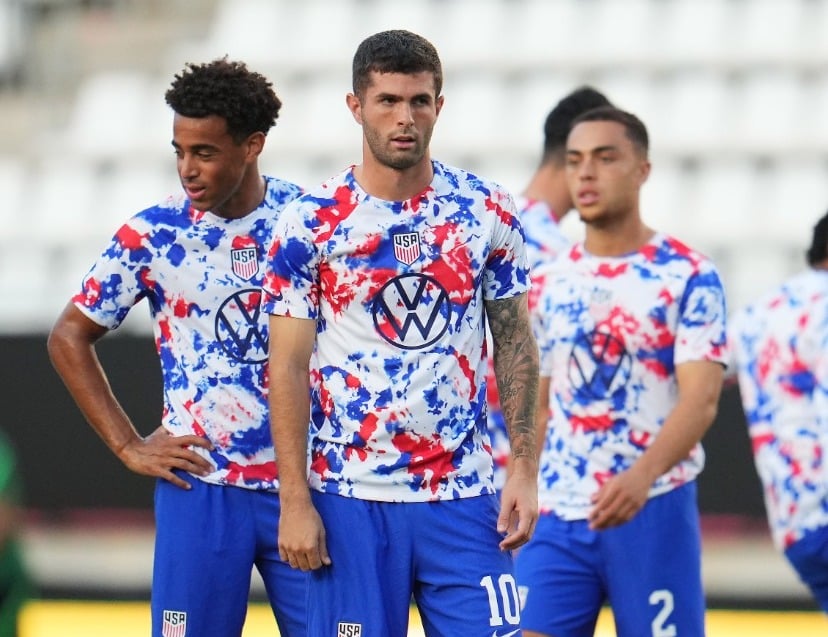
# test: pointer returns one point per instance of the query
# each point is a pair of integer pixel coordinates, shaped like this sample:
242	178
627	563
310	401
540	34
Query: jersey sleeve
507	271
119	277
702	324
291	281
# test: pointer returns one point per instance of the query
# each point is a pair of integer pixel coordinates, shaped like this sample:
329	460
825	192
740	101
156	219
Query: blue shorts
809	556
207	541
648	570
443	554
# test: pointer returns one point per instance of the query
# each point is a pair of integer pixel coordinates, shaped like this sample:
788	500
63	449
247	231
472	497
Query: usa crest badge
406	247
245	262
174	623
348	629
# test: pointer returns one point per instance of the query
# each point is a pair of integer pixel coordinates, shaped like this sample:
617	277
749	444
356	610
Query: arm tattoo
516	369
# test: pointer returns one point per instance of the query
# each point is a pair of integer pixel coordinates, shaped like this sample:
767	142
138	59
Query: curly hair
395	51
818	250
244	98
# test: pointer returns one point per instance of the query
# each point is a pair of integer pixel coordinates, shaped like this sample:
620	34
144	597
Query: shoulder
461	182
173	211
281	191
677	255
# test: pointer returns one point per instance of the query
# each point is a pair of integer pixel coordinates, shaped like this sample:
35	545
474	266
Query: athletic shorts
809	556
208	540
648	570
443	554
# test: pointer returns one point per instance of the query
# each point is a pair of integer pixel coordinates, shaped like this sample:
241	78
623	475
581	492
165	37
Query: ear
644	171
439	104
355	106
255	145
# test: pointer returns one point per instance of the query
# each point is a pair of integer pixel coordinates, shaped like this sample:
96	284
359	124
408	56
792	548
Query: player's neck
617	238
247	198
391	184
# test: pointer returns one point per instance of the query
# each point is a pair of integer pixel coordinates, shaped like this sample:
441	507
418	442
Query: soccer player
198	259
630	324
385	273
541	206
779	345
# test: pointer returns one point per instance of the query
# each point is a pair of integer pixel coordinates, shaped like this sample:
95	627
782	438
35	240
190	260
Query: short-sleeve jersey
780	349
201	275
544	242
611	331
397	290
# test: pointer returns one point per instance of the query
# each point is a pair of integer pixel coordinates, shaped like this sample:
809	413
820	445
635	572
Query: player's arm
699	386
301	532
516	370
71	347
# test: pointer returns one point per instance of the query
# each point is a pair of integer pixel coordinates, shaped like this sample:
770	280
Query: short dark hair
395	51
559	120
244	98
634	128
818	251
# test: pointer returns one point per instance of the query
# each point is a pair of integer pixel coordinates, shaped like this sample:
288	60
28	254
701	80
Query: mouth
587	197
194	192
403	141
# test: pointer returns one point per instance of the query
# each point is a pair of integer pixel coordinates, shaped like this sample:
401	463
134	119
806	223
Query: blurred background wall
734	92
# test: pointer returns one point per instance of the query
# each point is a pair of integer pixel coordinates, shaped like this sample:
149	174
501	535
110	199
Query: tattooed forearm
516	370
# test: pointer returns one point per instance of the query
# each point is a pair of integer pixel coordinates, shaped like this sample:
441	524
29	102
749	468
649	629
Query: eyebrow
597	149
196	148
396	96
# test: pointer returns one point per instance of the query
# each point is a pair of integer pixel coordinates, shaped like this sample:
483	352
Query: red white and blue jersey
397	291
780	349
201	275
544	242
611	332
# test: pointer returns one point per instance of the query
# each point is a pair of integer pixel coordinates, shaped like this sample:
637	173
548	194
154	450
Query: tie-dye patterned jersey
611	331
544	242
397	290
779	346
201	275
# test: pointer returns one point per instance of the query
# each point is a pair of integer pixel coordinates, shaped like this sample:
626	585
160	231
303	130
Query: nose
586	170
187	167
405	114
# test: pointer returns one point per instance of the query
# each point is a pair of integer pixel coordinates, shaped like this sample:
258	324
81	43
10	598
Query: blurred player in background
198	259
631	328
779	345
541	206
389	269
16	586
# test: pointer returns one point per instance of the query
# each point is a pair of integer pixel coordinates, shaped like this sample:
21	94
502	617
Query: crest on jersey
245	262
406	247
348	629
174	623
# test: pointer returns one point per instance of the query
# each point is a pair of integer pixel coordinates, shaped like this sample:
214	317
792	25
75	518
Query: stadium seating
734	93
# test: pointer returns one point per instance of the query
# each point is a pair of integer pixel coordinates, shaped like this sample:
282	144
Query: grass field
131	619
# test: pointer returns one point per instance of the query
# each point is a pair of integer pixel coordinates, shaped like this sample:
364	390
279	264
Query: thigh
464	584
286	587
559	577
203	559
809	557
653	568
366	590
